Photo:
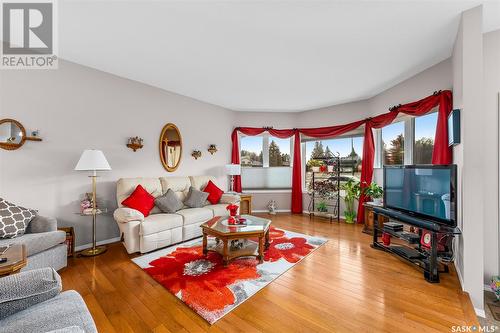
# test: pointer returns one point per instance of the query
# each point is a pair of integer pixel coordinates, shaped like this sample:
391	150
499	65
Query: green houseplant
314	165
322	207
375	192
352	190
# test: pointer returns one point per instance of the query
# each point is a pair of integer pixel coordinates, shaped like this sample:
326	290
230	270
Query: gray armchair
32	302
44	244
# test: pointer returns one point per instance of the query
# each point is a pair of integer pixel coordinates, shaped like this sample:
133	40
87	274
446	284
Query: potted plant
322	207
314	165
375	192
352	190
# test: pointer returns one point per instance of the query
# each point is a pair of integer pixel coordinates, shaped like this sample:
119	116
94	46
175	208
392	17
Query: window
266	162
425	131
279	152
393	143
251	151
408	141
349	148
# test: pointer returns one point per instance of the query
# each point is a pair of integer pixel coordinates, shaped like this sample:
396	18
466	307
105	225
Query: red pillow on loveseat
140	200
214	193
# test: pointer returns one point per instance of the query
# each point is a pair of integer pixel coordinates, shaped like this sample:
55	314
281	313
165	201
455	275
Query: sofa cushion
20	291
140	200
218	210
196	198
200	182
214	192
125	187
195	215
66	309
69	329
169	202
180	186
36	243
14	219
160	222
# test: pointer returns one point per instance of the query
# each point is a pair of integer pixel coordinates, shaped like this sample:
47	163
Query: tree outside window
393	143
425	130
279	152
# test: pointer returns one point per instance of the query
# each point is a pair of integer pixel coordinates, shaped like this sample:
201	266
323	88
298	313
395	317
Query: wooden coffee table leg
205	244
261	249
225	258
267	239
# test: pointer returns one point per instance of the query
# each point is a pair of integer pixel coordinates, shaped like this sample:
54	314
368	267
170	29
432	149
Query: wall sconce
135	143
212	149
196	154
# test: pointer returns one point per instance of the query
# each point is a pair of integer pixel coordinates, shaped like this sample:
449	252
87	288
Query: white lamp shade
92	160
233	169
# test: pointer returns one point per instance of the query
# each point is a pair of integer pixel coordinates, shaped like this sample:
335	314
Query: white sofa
145	234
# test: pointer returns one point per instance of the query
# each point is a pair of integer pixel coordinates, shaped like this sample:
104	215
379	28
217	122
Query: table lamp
233	170
93	160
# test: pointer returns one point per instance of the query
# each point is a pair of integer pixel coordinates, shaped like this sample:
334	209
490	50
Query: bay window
266	162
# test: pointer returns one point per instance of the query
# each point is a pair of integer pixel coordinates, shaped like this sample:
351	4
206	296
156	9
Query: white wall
75	108
469	155
491	55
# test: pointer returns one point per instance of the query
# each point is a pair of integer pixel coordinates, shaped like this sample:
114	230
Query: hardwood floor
344	286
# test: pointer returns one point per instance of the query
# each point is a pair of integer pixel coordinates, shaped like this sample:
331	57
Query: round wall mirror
170	147
12	134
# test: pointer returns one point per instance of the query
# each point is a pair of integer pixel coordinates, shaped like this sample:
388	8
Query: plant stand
333	203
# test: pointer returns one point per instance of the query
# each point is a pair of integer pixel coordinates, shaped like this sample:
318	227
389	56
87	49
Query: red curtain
331	131
442	154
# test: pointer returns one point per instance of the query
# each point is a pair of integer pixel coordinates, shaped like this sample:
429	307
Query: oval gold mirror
12	134
170	147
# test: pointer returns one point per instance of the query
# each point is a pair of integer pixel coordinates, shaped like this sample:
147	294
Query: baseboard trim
459	274
103	242
266	211
342	217
480	313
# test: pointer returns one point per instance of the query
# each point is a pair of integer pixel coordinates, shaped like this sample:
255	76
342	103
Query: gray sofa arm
20	291
41	224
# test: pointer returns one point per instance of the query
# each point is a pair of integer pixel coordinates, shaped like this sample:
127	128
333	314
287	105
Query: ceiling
264	55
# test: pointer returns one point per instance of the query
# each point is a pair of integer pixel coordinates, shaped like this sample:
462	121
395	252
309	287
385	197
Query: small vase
377	201
315	168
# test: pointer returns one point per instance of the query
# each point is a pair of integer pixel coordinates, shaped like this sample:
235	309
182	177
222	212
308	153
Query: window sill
268	191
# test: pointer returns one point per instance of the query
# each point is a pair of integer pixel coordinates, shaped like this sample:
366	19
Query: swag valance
442	153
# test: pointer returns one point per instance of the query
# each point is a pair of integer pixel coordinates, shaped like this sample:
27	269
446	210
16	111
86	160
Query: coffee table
256	227
16	259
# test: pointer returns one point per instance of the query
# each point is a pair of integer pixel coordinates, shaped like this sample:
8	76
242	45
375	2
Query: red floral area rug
212	290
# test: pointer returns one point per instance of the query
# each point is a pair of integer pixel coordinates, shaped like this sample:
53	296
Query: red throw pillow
214	193
140	200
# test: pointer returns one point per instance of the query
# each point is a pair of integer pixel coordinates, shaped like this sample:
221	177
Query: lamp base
93	252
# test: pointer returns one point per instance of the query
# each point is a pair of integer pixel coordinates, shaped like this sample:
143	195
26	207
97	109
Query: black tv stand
426	260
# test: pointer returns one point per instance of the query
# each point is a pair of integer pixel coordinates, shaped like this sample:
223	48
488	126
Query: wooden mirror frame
162	158
13	146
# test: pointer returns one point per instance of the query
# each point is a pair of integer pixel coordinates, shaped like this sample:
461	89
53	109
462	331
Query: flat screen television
424	191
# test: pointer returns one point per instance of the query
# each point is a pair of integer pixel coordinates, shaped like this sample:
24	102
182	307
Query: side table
245	204
16	259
